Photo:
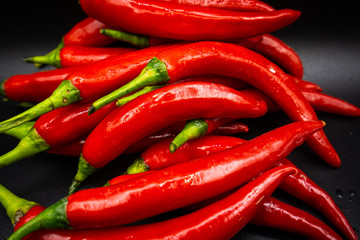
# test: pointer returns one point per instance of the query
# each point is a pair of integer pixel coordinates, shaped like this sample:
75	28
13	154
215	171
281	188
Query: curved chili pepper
89	83
35	87
245	203
185	183
72	56
300	185
185	22
281	54
230	60
231	129
56	128
277	214
162	107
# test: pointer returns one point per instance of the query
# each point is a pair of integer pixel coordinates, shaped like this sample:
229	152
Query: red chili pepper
301	186
55	129
161	108
173	187
89	83
35	87
277	214
230	60
245	203
178	21
281	54
72	56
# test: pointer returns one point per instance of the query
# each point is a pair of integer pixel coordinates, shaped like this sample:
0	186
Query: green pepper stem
51	218
64	95
154	73
138	166
28	146
15	206
84	170
193	129
124	100
51	58
133	39
20	131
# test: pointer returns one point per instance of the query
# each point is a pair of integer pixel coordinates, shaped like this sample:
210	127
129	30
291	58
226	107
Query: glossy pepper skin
300	185
230	60
185	22
190	182
35	87
212	222
281	54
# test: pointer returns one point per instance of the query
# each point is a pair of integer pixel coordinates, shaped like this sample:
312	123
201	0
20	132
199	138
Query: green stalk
133	39
192	130
154	73
15	206
51	218
64	95
2	88
84	170
28	146
20	131
138	166
51	58
131	97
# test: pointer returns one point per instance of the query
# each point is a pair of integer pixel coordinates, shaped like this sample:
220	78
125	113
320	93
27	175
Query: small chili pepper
89	83
161	108
185	184
230	60
186	22
245	203
300	185
277	214
35	87
72	56
281	54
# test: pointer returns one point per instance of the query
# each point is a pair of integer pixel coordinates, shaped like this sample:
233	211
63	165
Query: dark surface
327	39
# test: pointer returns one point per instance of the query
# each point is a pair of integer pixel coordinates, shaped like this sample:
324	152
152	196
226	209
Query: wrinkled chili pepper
245	203
185	183
54	129
35	87
186	22
300	185
161	108
281	54
72	56
89	83
230	60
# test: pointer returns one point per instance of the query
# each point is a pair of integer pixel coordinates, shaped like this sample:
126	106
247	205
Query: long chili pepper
300	185
185	22
221	217
34	87
277	214
185	183
89	83
56	128
72	56
281	54
230	60
197	128
161	108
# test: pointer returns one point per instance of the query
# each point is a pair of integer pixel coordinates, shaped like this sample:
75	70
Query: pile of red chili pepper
176	97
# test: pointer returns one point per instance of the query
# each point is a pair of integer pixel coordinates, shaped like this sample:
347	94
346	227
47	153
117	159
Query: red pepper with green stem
161	108
230	60
89	83
178	21
173	187
300	185
72	56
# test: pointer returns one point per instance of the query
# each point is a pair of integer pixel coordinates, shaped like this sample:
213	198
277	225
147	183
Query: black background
327	39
